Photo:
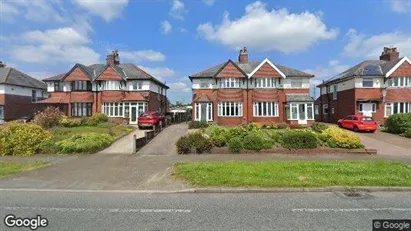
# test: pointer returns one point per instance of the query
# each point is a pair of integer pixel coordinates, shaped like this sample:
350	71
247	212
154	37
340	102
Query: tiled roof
12	76
248	68
299	98
53	100
366	68
126	71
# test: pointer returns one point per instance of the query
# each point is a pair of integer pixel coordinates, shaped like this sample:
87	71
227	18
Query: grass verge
7	169
294	173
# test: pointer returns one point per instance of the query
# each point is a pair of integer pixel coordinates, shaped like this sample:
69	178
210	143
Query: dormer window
81	86
266	82
230	83
137	85
111	85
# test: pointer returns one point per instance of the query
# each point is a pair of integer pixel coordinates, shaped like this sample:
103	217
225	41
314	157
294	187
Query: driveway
387	144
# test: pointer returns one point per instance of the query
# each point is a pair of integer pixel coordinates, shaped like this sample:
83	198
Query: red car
150	118
358	123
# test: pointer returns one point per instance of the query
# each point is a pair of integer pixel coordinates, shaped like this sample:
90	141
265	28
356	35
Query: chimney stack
243	56
2	64
113	58
390	54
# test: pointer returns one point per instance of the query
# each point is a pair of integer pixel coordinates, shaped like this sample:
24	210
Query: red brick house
377	88
233	93
121	91
19	93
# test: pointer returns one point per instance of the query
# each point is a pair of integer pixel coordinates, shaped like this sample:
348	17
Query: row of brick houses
121	91
233	93
377	88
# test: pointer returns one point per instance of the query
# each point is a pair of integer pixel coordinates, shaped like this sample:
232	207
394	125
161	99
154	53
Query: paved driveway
387	144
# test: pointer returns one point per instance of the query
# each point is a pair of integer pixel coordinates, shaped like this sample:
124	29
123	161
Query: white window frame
266	82
290	107
335	92
111	85
204	84
396	108
113	109
270	110
316	110
325	106
209	112
298	80
374	107
230	83
401	82
222	106
367	80
137	85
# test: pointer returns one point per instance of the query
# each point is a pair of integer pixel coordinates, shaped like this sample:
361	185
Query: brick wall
16	106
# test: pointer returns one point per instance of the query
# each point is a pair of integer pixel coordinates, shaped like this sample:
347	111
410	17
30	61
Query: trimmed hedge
254	142
299	140
339	138
85	143
398	123
197	124
407	133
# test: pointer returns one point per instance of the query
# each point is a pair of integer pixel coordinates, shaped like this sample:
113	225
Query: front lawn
7	169
294	173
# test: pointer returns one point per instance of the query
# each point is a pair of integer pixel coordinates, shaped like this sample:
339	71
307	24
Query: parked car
358	123
151	118
26	119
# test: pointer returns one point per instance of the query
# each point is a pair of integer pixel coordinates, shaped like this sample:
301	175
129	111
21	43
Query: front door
367	109
302	113
203	114
133	115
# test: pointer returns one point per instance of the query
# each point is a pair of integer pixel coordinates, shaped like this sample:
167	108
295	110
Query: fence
148	135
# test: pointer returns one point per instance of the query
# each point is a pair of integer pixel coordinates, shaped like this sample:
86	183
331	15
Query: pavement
124	144
248	211
386	143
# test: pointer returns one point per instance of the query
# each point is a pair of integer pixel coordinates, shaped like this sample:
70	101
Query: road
141	211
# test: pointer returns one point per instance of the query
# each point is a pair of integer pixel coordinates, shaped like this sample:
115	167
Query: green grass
7	169
294	173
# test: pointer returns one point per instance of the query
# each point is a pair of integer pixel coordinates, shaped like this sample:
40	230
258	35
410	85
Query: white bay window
203	112
265	109
230	109
111	85
399	82
229	83
266	82
300	111
398	107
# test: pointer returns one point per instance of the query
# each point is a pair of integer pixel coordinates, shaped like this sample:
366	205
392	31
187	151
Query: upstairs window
399	82
137	85
111	85
335	92
367	83
266	82
230	83
33	96
296	83
58	86
81	86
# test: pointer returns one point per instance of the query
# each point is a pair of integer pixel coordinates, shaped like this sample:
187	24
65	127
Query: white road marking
350	209
114	210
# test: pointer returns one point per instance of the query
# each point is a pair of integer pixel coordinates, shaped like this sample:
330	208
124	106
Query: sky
172	39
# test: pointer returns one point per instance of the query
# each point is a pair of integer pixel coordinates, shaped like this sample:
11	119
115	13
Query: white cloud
7	12
183	30
166	27
40	10
159	72
177	9
107	9
321	73
265	30
142	55
179	87
60	36
41	74
209	2
400	6
370	47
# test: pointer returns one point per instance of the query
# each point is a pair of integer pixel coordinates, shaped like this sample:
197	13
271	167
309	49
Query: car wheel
356	129
339	125
139	127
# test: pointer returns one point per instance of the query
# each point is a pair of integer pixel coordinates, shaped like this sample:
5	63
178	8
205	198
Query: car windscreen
367	119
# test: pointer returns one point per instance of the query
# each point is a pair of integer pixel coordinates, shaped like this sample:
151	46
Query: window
399	82
332	110
204	84
265	109
137	85
367	83
230	109
81	109
58	86
204	112
230	83
113	109
266	82
361	105
81	86
33	96
1	112
111	85
316	110
335	93
296	83
325	109
300	111
394	108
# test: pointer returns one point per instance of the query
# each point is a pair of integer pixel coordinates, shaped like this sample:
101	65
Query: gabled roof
397	65
9	75
271	64
234	64
370	68
248	68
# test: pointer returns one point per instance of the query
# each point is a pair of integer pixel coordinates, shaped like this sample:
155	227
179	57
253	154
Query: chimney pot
113	58
390	54
243	56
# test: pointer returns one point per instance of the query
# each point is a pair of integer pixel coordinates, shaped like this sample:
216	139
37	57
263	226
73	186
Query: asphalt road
275	211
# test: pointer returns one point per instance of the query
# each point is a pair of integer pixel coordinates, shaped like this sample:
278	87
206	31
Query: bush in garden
398	123
235	145
339	138
69	122
85	143
18	139
48	118
98	118
215	130
194	140
238	131
183	145
253	141
219	140
276	137
299	140
407	133
319	127
197	124
282	126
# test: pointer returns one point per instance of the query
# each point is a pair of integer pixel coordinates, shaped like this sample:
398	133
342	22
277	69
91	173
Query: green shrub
235	145
215	130
196	140
282	126
98	118
398	123
18	139
69	122
238	131
197	124
48	118
85	143
407	133
299	140
183	145
276	137
319	127
253	141
219	140
339	138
